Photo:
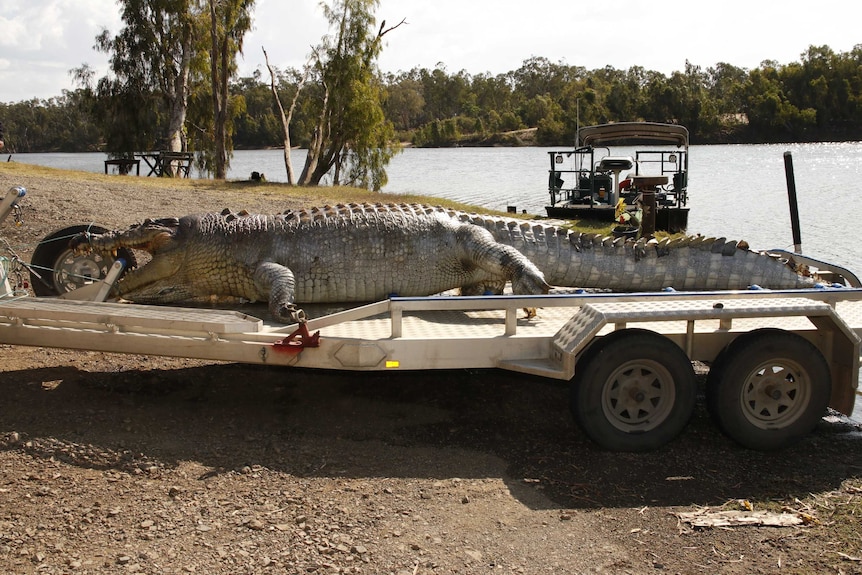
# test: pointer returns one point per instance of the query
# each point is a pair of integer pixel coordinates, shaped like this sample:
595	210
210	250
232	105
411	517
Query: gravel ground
139	464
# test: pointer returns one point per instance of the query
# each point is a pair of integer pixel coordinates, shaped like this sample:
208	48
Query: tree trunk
309	176
218	54
179	105
176	138
285	119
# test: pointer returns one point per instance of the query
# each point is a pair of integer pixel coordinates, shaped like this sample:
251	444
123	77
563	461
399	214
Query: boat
594	183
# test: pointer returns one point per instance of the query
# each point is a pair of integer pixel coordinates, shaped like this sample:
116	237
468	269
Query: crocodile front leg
279	282
481	250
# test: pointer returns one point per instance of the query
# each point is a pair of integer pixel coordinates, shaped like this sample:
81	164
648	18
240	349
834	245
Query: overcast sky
41	40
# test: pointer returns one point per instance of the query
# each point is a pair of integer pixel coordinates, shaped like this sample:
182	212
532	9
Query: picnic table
124	165
166	163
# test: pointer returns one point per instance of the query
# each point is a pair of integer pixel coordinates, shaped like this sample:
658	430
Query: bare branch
382	32
286	117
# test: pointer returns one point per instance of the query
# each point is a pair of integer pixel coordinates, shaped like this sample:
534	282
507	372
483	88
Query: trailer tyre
634	390
768	389
60	270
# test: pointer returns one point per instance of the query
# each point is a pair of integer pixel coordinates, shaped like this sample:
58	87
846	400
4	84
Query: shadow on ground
429	425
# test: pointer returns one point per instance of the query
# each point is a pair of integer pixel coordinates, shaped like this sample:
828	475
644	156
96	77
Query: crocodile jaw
158	281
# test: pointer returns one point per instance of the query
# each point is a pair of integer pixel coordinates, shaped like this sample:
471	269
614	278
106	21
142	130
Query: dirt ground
139	464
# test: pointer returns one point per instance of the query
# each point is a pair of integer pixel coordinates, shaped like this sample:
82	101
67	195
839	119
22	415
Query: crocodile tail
574	259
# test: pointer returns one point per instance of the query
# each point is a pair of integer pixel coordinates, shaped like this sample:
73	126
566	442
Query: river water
735	191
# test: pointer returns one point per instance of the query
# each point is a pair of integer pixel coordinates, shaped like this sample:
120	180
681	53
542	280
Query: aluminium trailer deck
780	357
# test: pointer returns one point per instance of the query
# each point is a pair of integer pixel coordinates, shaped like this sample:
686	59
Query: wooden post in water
791	197
648	221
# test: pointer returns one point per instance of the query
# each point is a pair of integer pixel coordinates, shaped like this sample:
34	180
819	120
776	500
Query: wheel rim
72	271
775	394
638	396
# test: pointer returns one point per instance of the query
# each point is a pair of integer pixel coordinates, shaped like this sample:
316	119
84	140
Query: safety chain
17	214
18	270
296	313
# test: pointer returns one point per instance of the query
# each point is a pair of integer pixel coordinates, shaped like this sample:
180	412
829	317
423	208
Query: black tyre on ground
768	389
633	390
58	270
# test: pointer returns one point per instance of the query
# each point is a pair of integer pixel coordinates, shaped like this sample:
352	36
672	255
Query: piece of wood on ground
710	518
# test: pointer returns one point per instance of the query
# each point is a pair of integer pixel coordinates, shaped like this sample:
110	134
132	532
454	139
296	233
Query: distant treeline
818	98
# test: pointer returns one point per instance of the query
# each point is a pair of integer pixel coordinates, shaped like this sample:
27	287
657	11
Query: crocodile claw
296	314
290	313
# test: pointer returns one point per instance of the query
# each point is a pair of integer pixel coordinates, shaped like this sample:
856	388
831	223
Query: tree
771	114
625	97
405	103
229	21
143	105
443	93
724	82
286	117
259	126
352	136
538	76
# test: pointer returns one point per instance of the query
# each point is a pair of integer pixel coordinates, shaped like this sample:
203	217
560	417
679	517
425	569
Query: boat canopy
633	131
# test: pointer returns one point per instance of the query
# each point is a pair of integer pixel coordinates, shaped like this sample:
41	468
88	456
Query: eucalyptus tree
444	93
352	137
143	103
694	108
828	83
259	126
624	100
229	21
538	76
724	82
286	117
56	124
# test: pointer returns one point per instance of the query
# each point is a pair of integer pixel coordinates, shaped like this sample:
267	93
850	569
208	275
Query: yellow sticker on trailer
392	364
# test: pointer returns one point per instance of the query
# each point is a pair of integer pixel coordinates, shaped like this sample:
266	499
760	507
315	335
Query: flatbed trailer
777	358
643	400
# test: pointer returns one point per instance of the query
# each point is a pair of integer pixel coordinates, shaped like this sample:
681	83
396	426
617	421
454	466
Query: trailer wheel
634	390
770	389
60	270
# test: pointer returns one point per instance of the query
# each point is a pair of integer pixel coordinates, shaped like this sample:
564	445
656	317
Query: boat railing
667	161
672	163
587	180
581	183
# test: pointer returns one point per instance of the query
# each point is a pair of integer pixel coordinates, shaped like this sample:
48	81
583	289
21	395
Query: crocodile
366	252
345	254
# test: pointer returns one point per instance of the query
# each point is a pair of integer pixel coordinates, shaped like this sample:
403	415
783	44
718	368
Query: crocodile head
164	278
